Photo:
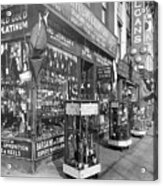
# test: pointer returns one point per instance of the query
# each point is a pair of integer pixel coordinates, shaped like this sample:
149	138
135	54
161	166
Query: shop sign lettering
16	22
102	60
104	72
138	23
88	109
58	37
48	146
81	17
86	53
123	69
17	148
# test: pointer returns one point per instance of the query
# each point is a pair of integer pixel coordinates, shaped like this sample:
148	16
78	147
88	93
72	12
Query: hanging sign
137	24
123	69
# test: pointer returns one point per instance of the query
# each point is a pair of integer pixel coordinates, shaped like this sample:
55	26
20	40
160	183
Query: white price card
88	109
72	109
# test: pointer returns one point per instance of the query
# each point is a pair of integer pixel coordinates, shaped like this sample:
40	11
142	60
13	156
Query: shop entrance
87	80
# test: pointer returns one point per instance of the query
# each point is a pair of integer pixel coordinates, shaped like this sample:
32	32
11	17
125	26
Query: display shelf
120	143
119	129
138	132
81	144
81	174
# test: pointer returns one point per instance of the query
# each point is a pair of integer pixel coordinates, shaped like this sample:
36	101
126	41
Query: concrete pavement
135	163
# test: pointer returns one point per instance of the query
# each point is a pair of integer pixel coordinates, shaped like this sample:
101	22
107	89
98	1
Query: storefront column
120	87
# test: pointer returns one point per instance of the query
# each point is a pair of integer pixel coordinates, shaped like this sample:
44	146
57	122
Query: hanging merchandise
38	44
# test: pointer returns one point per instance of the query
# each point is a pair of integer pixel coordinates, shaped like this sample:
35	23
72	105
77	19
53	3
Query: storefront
33	93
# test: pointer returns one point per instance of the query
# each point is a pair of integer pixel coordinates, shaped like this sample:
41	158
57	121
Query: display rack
81	157
139	123
119	131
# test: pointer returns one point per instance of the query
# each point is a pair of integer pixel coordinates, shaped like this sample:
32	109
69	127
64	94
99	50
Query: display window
139	121
87	80
119	126
58	81
81	139
15	94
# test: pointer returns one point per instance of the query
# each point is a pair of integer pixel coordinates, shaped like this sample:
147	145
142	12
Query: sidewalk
135	163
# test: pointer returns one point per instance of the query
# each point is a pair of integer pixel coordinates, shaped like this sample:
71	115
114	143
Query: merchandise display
119	129
81	139
139	127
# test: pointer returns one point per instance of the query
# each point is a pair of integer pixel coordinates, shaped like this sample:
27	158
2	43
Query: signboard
17	148
49	146
81	17
137	24
14	21
88	109
101	60
123	69
86	53
104	72
57	38
72	109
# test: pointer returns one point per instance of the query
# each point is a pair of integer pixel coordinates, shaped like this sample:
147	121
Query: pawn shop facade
33	94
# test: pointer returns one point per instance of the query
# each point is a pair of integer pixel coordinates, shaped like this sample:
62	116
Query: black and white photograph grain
79	90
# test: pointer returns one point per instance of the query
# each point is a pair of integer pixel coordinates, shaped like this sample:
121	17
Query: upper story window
103	12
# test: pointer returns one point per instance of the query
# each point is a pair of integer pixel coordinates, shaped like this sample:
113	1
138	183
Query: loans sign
137	24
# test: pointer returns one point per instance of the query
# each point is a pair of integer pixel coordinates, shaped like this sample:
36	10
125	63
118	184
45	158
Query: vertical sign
137	24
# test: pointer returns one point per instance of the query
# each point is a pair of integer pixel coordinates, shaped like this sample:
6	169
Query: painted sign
137	24
101	60
72	109
88	109
17	148
123	69
49	146
81	17
14	21
104	72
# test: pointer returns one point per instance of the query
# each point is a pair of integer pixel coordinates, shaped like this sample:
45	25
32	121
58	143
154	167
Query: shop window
58	81
15	94
87	89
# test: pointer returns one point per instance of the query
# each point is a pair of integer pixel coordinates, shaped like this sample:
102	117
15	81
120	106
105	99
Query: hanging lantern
143	50
133	51
138	58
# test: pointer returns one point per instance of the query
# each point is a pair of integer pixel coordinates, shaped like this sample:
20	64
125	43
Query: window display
15	94
81	139
87	80
53	90
139	122
34	110
119	131
104	91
